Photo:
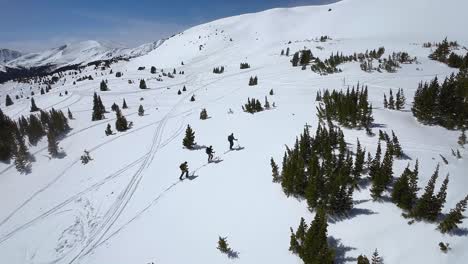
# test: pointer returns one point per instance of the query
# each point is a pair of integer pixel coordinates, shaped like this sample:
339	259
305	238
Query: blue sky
32	25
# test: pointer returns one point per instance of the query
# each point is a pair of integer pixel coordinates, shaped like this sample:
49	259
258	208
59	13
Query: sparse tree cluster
253	81
444	54
350	109
253	106
391	103
244	65
218	70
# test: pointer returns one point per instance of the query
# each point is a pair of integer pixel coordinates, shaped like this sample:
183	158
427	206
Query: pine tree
203	114
192	99
274	171
108	130
153	70
34	108
287	52
400	100
103	86
402	195
223	245
267	104
427	204
454	218
52	143
70	115
295	59
462	139
375	166
124	104
376	259
179	92
22	156
358	163
114	107
98	113
189	139
142	84
362	260
8	100
391	101
316	249
42	91
141	111
397	151
121	123
440	198
34	129
385	102
184	89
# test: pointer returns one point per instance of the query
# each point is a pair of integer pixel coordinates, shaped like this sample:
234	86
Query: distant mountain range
7	55
73	54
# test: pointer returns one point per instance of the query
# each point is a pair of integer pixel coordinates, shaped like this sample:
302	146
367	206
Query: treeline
443	104
350	109
443	53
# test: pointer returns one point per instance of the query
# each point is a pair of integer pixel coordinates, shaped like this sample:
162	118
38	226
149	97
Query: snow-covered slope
7	55
128	206
80	53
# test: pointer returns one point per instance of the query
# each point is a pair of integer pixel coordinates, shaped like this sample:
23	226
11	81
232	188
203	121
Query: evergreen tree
121	123
203	114
427	205
375	166
124	104
8	100
184	89
400	100
189	139
141	111
192	99
316	249
7	140
179	92
153	70
271	92
223	245
22	156
462	139
34	129
42	91
274	171
108	130
34	108
358	163
397	151
267	104
385	102
70	115
52	143
454	218
362	260
295	59
376	259
114	107
287	52
391	101
98	113
402	194
103	86
142	84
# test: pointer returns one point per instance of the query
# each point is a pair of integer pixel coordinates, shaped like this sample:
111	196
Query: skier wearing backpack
184	168
231	139
210	153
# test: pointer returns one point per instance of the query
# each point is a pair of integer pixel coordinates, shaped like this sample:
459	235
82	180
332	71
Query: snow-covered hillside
80	53
127	205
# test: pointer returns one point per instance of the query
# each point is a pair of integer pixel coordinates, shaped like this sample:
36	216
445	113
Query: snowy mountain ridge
7	55
80	53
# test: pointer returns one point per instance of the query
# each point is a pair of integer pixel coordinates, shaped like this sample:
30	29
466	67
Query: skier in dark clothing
184	168
210	152
231	139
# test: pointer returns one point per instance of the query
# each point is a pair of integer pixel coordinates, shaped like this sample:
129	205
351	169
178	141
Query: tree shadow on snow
232	254
61	155
215	161
355	212
238	148
198	147
459	232
377	125
340	251
404	156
